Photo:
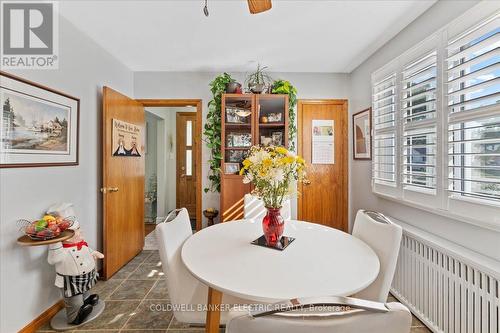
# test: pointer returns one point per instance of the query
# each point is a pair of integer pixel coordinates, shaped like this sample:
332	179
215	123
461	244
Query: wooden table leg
213	313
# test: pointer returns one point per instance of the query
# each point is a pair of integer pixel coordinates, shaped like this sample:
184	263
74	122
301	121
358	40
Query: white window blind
418	114
384	167
474	158
419	164
473	95
384	115
473	69
419	89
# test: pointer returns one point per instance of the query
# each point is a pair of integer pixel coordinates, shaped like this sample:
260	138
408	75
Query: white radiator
449	288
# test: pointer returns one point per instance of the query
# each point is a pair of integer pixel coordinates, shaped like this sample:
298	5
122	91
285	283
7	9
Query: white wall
481	240
195	85
151	160
171	168
152	150
26	280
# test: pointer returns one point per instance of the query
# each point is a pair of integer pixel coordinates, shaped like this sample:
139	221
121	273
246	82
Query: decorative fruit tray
27	241
48	227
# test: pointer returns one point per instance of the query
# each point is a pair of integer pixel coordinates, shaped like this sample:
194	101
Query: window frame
481	212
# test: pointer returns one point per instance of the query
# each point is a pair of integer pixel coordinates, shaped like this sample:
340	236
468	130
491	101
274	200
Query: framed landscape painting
362	135
38	126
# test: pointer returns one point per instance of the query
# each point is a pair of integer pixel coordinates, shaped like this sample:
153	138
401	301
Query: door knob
307	182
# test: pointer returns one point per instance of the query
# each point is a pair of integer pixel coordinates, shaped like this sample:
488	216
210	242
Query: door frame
197	136
344	104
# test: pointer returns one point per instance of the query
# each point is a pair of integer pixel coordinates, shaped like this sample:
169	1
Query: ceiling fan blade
259	6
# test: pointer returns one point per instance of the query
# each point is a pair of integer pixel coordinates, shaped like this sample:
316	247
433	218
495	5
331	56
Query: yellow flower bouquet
274	172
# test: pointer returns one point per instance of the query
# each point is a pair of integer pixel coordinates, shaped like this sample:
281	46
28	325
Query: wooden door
186	162
325	199
123	185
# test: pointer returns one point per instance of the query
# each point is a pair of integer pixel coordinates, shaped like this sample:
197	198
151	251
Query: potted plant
272	170
285	87
258	80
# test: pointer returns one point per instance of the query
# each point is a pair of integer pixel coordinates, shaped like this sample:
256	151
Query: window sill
417	189
441	212
475	201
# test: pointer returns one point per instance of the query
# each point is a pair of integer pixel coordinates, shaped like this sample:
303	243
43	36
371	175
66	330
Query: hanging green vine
285	87
212	130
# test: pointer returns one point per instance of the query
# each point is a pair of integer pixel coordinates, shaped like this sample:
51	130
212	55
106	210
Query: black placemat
280	246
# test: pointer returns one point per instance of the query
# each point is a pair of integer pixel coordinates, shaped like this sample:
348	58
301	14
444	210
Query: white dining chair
255	209
186	292
323	315
384	237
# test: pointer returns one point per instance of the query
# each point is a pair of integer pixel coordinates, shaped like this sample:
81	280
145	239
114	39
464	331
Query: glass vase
273	225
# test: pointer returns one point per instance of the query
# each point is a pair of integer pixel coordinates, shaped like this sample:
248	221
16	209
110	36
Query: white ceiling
294	36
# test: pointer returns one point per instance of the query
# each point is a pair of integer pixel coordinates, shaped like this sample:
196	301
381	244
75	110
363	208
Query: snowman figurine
75	267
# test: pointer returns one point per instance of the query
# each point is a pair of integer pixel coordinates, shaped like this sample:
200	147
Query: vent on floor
444	287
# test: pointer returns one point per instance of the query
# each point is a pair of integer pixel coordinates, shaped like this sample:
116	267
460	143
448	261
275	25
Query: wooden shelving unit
247	120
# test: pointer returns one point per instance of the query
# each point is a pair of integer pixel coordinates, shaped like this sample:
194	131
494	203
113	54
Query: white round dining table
321	261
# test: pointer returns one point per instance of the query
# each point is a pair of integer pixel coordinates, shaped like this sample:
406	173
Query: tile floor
131	292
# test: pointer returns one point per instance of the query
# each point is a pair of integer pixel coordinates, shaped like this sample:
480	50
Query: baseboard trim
43	318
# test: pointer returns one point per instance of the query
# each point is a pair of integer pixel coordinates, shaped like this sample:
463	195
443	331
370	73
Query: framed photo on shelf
236	156
266	140
274	117
237	115
229	140
39	125
239	140
362	135
232	168
277	138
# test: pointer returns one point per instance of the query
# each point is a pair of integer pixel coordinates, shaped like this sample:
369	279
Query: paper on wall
323	144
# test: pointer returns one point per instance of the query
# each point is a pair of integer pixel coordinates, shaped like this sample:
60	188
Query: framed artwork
362	135
38	126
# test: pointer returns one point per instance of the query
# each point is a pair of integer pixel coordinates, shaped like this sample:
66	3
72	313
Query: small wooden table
322	261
